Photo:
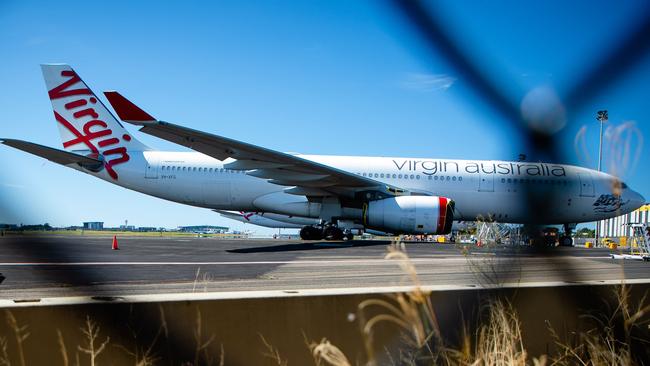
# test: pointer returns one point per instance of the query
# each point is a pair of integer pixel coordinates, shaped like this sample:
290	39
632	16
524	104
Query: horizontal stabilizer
55	155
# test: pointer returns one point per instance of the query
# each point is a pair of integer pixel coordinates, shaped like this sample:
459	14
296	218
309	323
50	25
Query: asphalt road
69	266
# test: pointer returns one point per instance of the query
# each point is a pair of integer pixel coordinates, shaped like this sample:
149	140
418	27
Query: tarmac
60	266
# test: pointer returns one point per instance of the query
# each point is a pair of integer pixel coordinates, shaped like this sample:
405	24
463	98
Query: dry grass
499	340
62	348
612	338
92	348
201	279
325	353
201	344
143	355
273	353
4	355
20	335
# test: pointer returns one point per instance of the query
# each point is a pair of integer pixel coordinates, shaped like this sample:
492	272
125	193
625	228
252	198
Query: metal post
602	117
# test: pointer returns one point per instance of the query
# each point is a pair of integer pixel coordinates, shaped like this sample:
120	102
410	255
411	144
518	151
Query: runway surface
56	266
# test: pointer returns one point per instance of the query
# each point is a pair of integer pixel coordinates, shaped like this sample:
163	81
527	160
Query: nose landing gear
566	240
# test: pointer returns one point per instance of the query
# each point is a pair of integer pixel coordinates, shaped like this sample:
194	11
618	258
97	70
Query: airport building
203	229
94	225
616	226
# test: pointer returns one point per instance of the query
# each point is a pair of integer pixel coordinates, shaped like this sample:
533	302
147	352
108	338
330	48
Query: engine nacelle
410	215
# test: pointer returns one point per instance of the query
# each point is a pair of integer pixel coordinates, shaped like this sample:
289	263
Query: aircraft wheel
311	233
333	233
304	233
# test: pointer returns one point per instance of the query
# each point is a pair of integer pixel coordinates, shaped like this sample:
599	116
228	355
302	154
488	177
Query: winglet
126	110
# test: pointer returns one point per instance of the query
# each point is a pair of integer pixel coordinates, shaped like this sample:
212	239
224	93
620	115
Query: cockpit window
623	185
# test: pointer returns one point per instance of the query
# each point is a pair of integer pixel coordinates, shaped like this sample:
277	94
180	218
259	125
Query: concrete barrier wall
172	330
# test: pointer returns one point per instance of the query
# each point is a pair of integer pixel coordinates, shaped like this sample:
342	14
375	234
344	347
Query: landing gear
311	233
327	232
332	233
566	240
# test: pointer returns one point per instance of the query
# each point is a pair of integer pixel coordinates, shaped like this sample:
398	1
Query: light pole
602	117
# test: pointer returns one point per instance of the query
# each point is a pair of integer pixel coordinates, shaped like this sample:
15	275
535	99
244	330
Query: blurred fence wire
535	122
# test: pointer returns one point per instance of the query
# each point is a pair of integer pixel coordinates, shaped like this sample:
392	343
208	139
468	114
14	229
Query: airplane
341	193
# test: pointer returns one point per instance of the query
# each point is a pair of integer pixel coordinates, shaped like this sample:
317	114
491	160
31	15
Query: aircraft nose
636	199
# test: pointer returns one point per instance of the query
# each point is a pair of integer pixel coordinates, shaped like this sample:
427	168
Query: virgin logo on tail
94	128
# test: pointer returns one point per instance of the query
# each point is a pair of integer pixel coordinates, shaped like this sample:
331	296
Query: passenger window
453	178
399	176
448	178
417	176
460	179
435	178
183	168
364	174
509	180
376	175
503	180
412	176
430	178
382	175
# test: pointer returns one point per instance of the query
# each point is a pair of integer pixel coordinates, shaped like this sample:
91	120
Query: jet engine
410	215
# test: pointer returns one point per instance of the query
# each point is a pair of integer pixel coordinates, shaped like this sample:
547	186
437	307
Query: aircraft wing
302	176
55	155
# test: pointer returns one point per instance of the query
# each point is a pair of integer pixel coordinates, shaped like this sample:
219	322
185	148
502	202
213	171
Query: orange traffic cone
115	247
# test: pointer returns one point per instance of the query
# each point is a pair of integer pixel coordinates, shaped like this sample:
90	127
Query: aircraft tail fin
85	124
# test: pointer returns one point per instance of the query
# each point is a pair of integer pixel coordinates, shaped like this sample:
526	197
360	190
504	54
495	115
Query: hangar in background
616	226
204	229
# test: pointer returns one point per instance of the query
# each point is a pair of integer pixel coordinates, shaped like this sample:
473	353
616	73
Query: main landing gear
566	240
327	232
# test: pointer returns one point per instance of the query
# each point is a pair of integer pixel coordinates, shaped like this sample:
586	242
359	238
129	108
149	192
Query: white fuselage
496	189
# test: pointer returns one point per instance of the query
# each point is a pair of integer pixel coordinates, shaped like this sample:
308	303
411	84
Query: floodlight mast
602	117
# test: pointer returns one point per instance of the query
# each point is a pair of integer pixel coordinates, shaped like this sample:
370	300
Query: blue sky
328	77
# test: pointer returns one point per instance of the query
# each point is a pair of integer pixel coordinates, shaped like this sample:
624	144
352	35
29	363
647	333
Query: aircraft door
587	188
153	165
486	182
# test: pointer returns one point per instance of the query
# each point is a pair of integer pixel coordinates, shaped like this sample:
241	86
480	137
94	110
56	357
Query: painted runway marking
341	261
